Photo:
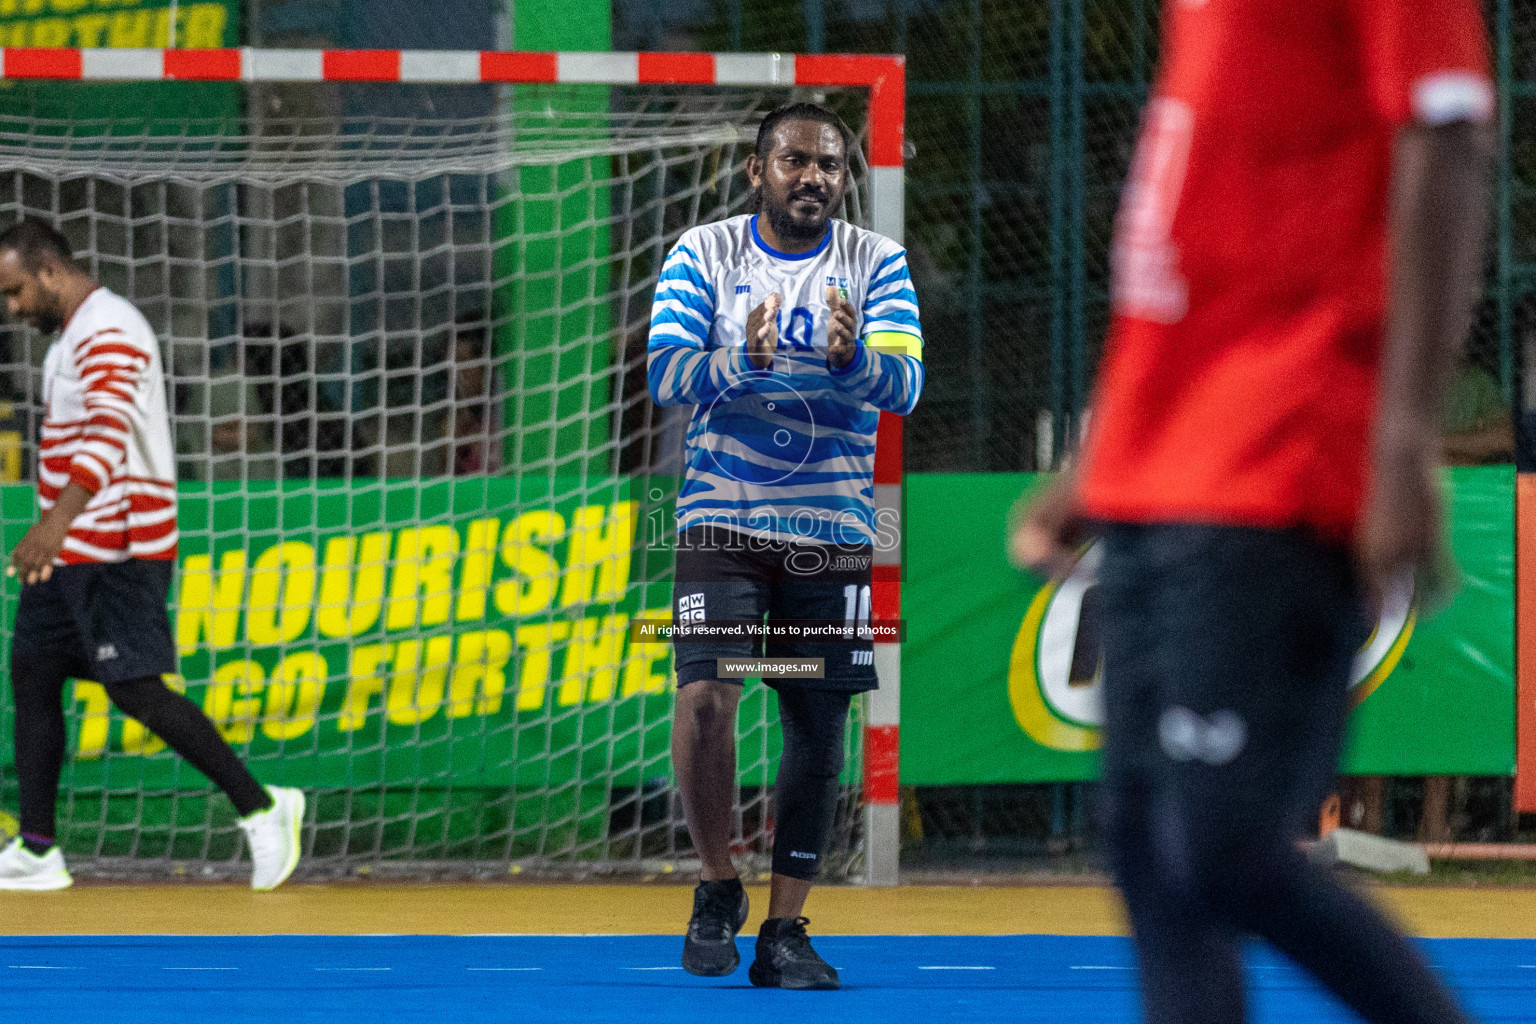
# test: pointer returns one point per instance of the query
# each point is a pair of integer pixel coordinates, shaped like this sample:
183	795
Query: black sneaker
719	911
785	958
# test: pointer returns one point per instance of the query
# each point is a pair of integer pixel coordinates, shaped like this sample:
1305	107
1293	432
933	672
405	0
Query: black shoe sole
764	976
710	970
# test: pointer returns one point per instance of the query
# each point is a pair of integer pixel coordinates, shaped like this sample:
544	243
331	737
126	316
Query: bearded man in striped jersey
789	331
96	567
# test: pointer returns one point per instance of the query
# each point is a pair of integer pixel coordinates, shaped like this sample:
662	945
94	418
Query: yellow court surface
532	909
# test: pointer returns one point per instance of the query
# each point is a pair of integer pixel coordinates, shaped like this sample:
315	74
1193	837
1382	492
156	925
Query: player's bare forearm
32	559
1437	216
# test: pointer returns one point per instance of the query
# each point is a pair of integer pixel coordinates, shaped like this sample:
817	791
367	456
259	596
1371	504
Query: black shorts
727	576
104	622
1227	658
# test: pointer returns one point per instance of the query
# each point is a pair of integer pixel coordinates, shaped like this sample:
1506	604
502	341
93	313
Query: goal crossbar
883	76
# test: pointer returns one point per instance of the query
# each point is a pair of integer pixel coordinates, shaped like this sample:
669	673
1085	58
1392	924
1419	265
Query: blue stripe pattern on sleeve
679	369
891	303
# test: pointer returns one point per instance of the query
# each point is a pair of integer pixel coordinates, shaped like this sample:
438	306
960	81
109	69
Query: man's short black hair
33	241
797	112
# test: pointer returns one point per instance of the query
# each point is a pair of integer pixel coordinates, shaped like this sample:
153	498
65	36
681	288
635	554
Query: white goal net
424	489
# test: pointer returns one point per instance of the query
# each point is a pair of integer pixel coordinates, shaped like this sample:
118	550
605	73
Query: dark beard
787	227
49	322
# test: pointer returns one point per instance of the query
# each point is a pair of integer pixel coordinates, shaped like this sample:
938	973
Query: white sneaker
21	869
274	838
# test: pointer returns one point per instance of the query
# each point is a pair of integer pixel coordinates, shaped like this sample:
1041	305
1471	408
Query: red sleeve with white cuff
1425	60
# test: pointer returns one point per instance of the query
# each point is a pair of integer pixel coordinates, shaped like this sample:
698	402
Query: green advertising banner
140	24
86	109
404	632
437	657
992	691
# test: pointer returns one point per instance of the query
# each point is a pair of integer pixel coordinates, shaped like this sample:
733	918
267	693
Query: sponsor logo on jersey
690	608
106	652
1055	672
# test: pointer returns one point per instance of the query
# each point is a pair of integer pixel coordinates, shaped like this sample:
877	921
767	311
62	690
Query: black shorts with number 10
727	576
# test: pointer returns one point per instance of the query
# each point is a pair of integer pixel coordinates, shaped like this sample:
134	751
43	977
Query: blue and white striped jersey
788	452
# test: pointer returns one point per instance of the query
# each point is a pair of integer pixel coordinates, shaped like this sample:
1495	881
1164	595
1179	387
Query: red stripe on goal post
360	65
531	67
886	79
888	437
677	68
882	764
202	65
43	62
885	599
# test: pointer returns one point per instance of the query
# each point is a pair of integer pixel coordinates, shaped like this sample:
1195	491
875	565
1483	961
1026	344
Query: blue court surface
635	979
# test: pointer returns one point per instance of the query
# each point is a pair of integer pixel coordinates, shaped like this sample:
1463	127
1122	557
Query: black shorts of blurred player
727	576
107	623
1227	660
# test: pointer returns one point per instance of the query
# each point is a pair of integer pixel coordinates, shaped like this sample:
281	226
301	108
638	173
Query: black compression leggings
805	795
38	689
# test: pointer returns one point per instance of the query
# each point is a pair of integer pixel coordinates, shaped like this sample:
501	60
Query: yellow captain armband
896	343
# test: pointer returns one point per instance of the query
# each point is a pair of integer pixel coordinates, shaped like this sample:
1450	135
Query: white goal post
290	212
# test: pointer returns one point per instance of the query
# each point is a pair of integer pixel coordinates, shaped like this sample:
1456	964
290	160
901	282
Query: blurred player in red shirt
1294	268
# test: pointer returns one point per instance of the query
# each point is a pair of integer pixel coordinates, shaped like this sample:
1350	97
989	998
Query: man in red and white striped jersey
96	567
